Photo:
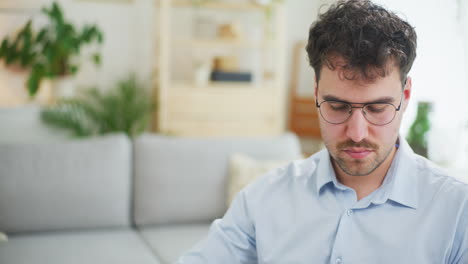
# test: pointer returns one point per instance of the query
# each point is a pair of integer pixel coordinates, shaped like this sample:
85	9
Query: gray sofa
113	200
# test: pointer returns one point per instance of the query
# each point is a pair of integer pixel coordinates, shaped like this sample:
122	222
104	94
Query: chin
360	172
359	169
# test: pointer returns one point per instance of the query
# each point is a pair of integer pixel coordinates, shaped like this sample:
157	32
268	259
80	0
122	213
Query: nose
357	126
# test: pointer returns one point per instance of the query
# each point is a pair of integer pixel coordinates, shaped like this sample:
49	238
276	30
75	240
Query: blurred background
128	126
235	68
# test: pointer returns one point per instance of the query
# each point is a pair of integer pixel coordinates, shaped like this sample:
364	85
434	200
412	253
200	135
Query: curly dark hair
366	36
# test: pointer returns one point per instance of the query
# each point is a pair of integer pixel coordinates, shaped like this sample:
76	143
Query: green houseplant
52	51
418	133
125	108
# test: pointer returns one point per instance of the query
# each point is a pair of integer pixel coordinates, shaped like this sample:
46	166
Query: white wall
300	15
128	42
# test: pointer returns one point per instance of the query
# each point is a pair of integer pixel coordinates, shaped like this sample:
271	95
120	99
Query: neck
365	185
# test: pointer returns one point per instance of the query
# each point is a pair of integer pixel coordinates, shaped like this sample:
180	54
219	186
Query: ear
407	92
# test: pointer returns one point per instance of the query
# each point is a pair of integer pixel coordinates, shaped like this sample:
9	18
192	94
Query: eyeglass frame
362	109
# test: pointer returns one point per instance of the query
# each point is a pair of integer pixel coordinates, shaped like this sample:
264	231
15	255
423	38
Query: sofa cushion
244	169
3	237
170	242
182	180
61	185
103	246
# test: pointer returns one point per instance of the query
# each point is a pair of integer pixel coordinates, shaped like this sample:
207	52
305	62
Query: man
366	198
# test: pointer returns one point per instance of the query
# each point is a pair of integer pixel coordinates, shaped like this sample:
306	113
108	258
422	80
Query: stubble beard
359	167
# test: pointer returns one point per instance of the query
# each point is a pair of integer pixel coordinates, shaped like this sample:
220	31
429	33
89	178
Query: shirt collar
403	186
400	184
325	171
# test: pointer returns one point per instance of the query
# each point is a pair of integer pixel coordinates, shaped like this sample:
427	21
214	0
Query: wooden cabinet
303	113
218	108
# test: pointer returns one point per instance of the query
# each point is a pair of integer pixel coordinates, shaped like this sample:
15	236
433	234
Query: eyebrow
385	99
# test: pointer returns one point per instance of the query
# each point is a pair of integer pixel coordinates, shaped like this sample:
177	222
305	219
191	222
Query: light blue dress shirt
302	214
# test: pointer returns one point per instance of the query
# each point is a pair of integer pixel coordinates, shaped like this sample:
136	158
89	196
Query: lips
358	153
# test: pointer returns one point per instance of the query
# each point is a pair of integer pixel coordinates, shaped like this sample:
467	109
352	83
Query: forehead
333	82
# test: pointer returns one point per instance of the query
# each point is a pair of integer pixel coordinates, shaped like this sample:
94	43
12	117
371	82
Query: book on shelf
230	76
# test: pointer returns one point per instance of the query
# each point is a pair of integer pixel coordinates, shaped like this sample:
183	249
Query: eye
338	106
376	108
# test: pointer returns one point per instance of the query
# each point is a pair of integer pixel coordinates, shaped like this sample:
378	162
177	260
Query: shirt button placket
342	235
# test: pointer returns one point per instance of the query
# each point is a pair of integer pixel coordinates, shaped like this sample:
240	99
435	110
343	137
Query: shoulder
440	184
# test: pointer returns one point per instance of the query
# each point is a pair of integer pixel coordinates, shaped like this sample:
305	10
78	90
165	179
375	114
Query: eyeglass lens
339	112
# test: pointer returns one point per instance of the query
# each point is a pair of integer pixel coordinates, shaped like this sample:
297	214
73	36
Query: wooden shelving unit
214	43
220	108
230	5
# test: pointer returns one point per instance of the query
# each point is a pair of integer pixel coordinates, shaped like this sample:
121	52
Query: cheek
332	133
394	127
385	135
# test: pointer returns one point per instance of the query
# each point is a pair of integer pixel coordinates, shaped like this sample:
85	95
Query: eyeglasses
337	112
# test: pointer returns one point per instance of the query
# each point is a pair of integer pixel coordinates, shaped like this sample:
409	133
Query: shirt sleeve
230	239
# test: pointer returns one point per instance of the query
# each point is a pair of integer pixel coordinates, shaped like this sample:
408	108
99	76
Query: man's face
356	146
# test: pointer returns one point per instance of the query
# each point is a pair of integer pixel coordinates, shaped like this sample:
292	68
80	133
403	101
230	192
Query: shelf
223	43
215	86
214	4
220	108
108	1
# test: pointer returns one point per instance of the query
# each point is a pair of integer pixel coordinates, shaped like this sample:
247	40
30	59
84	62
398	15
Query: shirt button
338	261
349	212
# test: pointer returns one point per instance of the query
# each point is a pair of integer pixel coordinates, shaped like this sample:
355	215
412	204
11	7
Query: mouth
358	153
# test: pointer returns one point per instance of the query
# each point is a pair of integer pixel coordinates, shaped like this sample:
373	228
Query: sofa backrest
182	180
23	124
75	184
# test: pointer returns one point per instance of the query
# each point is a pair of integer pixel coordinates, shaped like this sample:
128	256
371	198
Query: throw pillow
244	169
3	237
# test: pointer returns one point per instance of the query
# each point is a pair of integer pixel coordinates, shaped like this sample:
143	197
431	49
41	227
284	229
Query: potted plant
125	108
418	133
52	51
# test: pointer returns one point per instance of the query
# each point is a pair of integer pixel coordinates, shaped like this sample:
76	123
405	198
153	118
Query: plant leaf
125	108
96	58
